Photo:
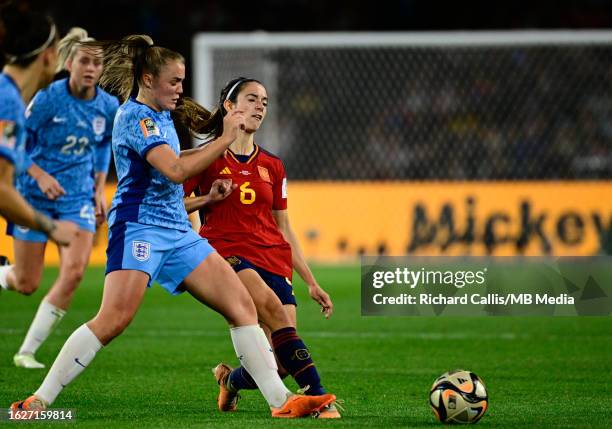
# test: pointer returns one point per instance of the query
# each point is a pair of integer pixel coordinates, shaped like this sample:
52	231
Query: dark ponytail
24	34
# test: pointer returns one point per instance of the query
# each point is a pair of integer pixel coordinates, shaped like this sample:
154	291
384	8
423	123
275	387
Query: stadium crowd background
467	142
489	116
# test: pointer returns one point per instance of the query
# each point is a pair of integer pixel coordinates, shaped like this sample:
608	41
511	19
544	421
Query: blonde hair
69	46
126	60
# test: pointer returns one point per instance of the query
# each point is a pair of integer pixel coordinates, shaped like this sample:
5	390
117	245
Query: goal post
480	142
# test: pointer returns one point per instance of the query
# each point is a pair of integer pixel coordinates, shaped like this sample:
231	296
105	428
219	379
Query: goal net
486	143
426	106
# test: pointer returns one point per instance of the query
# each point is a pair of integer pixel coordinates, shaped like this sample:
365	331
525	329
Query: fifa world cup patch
149	127
263	173
233	260
141	250
7	134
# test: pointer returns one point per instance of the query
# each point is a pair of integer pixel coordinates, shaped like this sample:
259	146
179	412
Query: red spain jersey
242	224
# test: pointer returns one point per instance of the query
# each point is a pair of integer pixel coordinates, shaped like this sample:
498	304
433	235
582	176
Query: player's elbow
178	179
176	174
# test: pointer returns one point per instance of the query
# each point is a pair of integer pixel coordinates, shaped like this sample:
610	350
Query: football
458	397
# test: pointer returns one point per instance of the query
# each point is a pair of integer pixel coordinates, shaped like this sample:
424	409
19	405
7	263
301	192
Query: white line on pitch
311	334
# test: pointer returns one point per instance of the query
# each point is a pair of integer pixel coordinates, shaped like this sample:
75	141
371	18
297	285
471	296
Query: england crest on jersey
141	250
99	126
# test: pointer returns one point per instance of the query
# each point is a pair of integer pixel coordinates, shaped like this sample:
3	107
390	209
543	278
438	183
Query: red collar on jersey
251	158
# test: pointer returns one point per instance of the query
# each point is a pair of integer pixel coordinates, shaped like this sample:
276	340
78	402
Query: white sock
256	356
4	270
46	319
78	351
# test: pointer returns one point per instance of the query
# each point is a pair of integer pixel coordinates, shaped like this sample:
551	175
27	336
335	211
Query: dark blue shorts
280	285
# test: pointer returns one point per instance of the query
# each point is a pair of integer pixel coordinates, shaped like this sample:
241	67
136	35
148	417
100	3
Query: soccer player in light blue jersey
150	237
69	127
29	46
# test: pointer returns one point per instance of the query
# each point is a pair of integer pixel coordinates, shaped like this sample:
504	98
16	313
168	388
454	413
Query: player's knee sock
295	358
78	351
46	319
255	354
240	379
4	270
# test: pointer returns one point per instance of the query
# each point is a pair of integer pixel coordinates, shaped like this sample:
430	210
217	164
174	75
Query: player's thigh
270	309
29	260
122	296
123	292
214	283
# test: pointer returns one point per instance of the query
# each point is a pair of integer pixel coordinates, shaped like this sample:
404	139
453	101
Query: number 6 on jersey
247	195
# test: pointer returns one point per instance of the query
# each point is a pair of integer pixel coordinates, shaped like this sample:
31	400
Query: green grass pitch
540	372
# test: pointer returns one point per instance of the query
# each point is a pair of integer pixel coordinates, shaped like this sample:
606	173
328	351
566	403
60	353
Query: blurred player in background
29	45
250	229
150	237
69	127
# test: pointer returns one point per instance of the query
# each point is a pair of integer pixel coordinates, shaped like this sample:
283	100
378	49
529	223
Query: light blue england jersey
70	139
12	123
144	195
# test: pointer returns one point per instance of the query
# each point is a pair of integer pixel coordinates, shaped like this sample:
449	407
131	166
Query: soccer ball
458	397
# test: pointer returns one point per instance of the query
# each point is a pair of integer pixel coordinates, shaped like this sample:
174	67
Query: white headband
229	93
10	58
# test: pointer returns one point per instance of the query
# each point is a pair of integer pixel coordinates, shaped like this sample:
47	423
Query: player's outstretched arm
301	266
17	210
178	169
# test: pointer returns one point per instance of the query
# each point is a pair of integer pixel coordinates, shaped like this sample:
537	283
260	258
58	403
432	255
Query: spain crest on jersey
141	250
263	173
149	127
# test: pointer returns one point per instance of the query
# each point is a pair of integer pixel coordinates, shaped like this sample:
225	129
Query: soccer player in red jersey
250	229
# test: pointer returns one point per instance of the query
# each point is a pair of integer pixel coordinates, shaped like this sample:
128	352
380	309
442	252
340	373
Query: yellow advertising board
336	221
340	220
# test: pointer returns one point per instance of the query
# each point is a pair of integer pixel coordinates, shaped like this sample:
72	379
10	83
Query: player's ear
48	57
147	80
228	105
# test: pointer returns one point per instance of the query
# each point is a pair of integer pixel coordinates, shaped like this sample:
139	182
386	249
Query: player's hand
322	298
50	186
100	210
220	189
234	124
64	232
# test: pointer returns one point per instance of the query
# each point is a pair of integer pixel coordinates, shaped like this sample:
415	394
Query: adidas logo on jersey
226	170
